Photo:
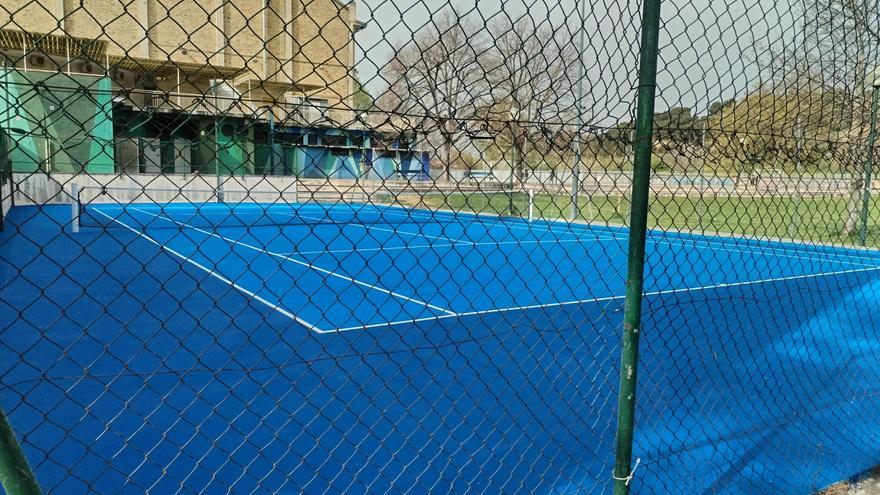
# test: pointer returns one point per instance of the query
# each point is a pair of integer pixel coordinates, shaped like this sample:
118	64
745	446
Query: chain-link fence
278	246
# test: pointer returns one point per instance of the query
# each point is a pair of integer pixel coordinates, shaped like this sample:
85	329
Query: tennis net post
531	205
74	207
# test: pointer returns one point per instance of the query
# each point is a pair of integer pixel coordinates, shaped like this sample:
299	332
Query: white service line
307	265
449	244
393	231
599	299
486	219
218	276
719	245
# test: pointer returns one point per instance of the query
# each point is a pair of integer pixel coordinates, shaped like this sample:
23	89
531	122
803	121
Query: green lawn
810	218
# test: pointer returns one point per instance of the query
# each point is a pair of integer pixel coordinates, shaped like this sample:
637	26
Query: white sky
708	49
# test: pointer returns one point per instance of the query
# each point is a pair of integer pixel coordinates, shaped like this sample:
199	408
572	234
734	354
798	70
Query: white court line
489	219
584	228
796	245
449	244
219	277
561	241
734	247
381	229
696	243
307	265
449	314
450	241
599	299
714	245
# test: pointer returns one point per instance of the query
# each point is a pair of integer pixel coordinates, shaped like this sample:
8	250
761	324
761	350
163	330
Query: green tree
677	125
788	128
363	100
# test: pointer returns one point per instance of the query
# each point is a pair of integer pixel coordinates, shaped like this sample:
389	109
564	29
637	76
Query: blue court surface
267	349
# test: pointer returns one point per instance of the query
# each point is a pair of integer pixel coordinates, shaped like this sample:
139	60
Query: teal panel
314	162
268	163
229	152
384	167
61	119
344	167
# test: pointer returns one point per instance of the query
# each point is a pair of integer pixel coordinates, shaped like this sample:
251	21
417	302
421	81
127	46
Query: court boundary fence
393	149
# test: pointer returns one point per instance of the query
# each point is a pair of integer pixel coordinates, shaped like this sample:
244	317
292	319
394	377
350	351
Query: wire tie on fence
628	478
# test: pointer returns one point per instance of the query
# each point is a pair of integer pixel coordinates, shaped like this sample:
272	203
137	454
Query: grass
812	219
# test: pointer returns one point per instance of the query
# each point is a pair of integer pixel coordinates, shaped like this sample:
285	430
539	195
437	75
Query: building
221	86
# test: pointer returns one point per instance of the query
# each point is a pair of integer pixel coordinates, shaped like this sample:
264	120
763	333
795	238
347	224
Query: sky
709	50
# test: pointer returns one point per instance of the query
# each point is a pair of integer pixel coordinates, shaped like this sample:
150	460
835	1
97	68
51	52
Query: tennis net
152	208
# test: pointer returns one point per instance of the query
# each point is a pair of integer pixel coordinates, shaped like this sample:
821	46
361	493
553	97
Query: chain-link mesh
278	246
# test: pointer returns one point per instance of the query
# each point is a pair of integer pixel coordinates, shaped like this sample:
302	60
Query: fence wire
286	246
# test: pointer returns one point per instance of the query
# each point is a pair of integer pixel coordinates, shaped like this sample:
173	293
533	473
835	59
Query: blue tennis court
297	348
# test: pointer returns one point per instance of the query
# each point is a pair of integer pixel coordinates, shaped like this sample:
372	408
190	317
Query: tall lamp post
365	139
576	166
869	165
514	132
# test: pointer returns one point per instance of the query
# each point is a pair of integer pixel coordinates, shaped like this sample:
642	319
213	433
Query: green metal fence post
629	348
869	165
15	474
271	142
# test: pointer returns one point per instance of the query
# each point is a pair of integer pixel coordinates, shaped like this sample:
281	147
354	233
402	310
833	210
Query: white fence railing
207	104
616	182
39	188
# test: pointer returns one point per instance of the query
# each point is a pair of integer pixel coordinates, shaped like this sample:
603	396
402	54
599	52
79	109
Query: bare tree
845	42
532	74
436	80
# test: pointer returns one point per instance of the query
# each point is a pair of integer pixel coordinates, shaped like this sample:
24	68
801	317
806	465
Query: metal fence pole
579	105
15	473
866	195
629	349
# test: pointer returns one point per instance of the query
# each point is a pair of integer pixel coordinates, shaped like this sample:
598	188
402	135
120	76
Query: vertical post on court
629	348
74	207
15	473
869	165
531	205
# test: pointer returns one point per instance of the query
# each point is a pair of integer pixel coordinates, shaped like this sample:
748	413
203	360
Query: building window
308	110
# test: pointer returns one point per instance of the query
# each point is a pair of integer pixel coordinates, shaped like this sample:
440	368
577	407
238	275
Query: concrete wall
300	43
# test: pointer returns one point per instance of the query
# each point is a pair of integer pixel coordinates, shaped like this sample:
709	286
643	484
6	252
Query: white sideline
715	245
778	252
218	276
600	299
305	264
694	243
